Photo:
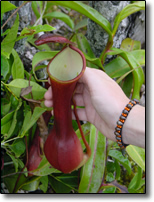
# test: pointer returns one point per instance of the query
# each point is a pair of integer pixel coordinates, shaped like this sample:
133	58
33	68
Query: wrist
134	128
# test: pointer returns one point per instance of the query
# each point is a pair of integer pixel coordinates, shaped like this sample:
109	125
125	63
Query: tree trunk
132	26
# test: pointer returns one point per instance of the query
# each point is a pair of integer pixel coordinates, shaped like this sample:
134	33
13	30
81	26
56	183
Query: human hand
102	98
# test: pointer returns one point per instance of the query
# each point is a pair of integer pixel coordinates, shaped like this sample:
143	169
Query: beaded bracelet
121	121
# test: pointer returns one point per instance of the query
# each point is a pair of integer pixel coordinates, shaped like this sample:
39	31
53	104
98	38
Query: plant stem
79	125
14	13
8	163
41	15
8	175
3	143
103	54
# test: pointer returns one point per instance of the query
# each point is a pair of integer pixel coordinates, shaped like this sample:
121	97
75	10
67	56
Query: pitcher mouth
67	73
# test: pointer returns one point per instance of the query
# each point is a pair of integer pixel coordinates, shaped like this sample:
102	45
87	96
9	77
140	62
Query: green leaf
6	122
44	168
138	74
118	170
5	33
109	190
17	84
9	40
127	85
83	44
35	8
44	185
110	166
93	170
15	162
81	24
62	16
13	122
59	187
95	61
129	44
110	177
5	67
6	6
6	105
136	182
63	183
119	157
137	154
17	67
14	102
27	74
70	179
118	66
10	181
31	186
41	56
87	11
18	147
128	10
39	28
31	119
30	31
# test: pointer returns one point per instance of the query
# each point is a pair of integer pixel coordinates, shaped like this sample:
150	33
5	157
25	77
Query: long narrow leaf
16	85
93	170
9	41
39	57
14	122
17	67
62	16
87	11
44	168
118	66
138	74
119	157
31	119
136	182
137	154
128	10
7	6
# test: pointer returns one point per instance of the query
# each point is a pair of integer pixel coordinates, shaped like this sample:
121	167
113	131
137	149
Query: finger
48	94
81	114
79	100
79	88
48	103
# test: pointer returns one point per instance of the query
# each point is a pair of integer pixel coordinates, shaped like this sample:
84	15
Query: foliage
106	170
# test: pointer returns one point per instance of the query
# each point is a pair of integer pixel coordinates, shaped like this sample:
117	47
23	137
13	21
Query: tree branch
14	13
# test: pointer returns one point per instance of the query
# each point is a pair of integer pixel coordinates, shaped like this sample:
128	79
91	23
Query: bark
132	26
24	50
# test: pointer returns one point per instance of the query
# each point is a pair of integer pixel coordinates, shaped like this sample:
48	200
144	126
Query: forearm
133	131
134	127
